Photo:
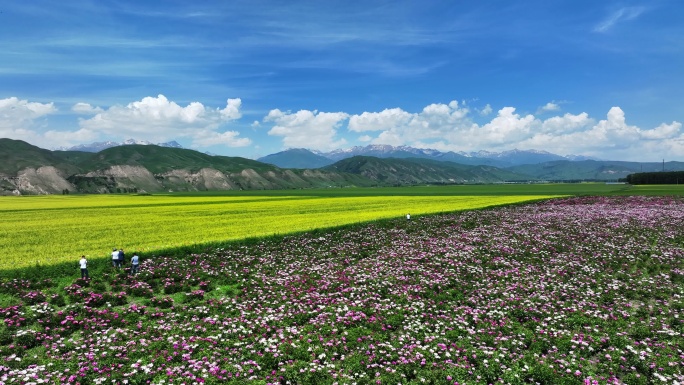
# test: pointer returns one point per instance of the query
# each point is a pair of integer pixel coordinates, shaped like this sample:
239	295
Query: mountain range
147	168
303	158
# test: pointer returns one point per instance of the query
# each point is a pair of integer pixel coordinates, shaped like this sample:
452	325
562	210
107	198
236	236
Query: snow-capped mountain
99	146
381	151
517	157
505	158
498	159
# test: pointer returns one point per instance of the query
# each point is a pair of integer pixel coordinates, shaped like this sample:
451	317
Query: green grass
44	230
653	190
451	190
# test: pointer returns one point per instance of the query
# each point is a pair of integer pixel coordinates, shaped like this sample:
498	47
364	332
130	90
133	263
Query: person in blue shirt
135	261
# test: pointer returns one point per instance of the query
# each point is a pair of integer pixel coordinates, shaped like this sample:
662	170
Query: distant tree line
666	177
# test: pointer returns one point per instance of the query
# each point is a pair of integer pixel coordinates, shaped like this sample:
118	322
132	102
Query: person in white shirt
84	267
116	262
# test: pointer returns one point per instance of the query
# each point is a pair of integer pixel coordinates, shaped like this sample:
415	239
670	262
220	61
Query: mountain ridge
99	146
292	157
27	169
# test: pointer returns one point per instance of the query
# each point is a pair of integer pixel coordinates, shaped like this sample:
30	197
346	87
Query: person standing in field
408	217
134	264
83	263
122	258
115	258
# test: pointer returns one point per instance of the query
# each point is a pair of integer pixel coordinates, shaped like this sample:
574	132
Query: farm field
578	290
44	230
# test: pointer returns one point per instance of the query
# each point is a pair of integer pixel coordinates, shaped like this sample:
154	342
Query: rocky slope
28	169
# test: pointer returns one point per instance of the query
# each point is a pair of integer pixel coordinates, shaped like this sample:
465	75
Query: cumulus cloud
507	127
664	131
15	113
399	127
310	129
159	119
24	120
86	109
56	139
232	110
379	121
610	138
566	123
208	138
615	128
446	127
449	127
548	107
486	110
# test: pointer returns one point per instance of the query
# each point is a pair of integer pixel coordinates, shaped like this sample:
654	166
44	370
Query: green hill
158	159
392	171
26	169
296	158
17	155
565	170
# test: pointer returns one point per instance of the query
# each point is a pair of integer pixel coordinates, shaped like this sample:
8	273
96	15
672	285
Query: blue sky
250	78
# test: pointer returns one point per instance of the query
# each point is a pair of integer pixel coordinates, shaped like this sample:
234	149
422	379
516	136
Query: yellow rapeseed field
50	229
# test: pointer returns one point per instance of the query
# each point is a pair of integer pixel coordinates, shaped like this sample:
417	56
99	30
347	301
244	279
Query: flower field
45	230
586	290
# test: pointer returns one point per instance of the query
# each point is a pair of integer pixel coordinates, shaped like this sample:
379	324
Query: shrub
33	297
162	302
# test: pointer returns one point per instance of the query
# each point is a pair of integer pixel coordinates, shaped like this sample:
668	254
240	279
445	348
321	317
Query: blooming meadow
586	290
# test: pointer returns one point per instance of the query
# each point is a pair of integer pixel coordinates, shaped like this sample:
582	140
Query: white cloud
400	127
310	129
449	128
86	109
567	123
506	128
548	107
615	128
208	138
664	131
620	15
232	110
158	119
486	110
610	138
24	120
378	121
15	113
68	138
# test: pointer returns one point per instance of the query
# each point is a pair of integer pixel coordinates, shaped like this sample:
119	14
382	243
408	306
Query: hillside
27	169
158	160
419	171
147	168
303	158
151	168
17	155
564	170
296	158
